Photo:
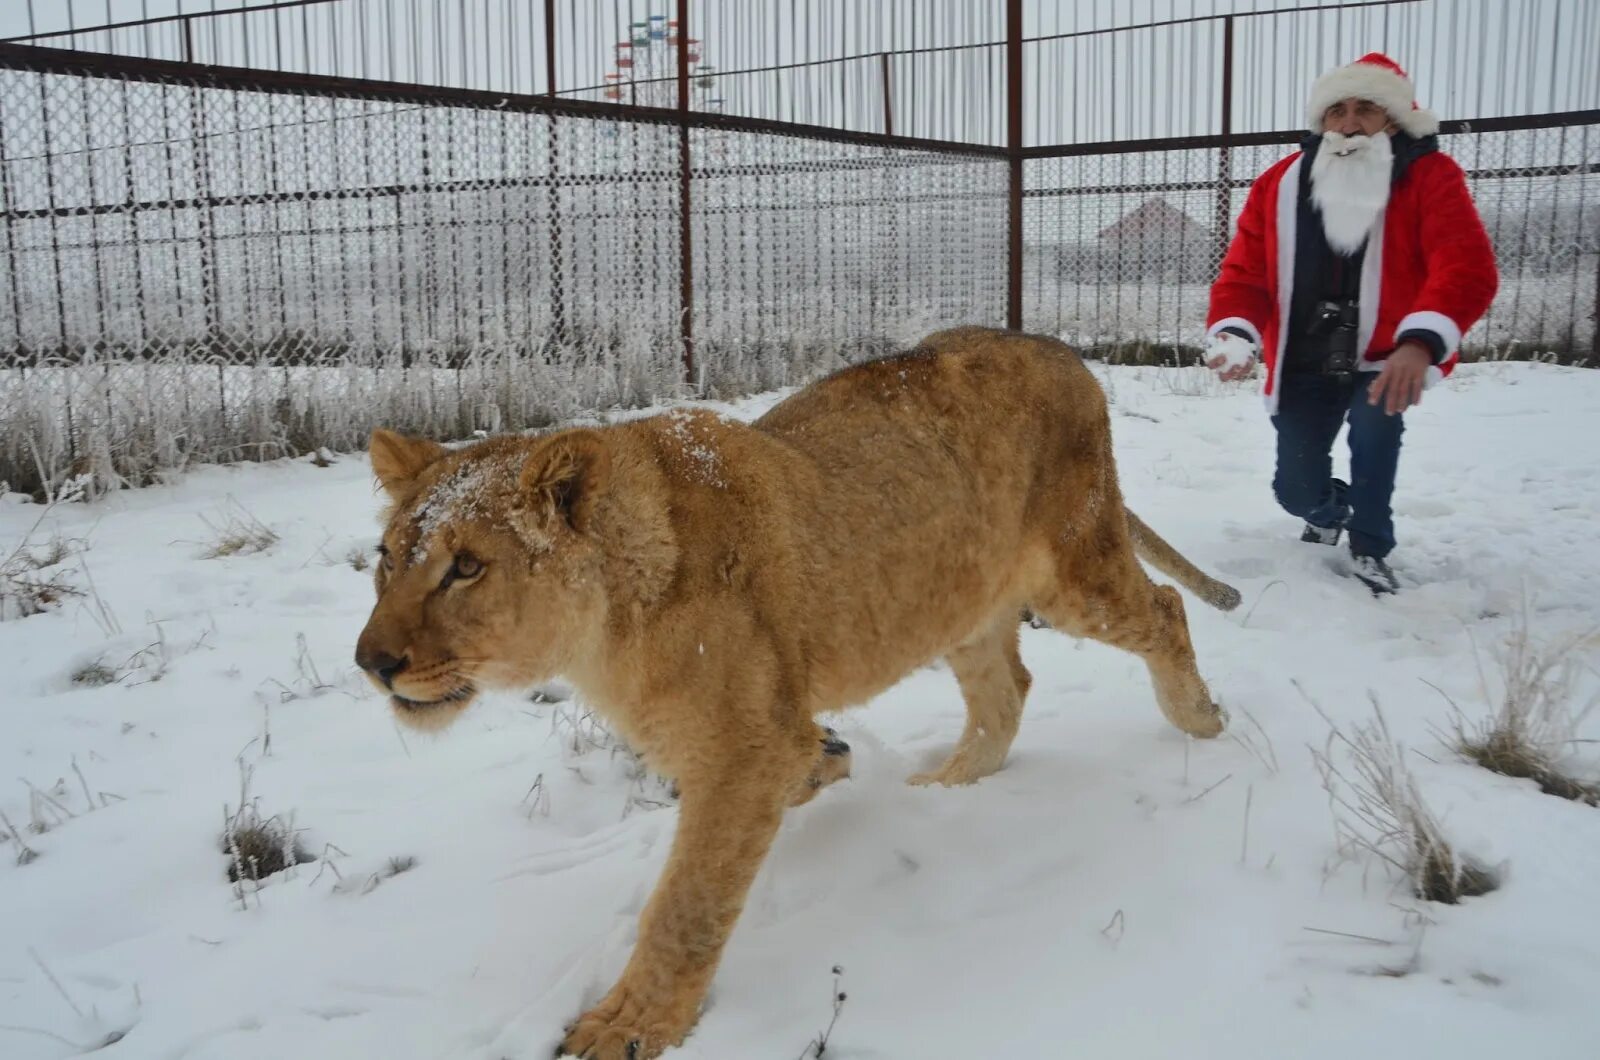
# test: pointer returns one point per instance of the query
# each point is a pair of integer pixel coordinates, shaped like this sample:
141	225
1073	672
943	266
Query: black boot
1327	535
1321	535
1375	574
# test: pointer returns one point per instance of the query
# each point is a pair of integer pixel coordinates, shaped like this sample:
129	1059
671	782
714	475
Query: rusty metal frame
1520	122
243	79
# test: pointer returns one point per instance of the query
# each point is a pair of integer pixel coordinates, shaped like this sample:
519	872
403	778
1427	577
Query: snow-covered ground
1115	891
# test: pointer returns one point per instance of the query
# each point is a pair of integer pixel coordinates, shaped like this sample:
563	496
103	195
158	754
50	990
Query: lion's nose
380	664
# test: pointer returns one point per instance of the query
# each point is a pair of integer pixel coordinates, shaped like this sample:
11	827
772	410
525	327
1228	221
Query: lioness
712	586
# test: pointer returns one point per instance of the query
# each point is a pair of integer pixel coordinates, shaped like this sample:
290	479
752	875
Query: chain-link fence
1121	247
198	270
807	255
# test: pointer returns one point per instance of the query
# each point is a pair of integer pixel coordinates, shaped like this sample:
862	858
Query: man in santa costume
1358	263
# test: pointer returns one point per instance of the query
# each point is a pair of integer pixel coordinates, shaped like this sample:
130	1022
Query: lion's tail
1152	549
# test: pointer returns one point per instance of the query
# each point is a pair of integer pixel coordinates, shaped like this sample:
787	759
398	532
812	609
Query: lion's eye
384	558
466	566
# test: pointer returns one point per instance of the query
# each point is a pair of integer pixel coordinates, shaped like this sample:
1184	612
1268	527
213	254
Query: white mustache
1343	146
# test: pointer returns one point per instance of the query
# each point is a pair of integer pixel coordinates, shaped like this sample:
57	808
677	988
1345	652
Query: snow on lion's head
496	566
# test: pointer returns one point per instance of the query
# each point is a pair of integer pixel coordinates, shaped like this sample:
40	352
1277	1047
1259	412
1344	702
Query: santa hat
1377	78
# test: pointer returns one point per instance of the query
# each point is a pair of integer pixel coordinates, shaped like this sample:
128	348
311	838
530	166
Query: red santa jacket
1428	266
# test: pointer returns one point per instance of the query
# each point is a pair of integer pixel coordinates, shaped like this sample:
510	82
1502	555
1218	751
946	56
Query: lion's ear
563	477
398	460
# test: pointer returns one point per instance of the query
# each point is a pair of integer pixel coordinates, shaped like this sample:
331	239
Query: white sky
1469	58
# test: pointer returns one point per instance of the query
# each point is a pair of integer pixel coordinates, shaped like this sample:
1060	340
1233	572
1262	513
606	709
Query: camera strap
1345	281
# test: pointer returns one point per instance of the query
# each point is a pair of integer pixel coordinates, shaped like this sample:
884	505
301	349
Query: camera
1337	324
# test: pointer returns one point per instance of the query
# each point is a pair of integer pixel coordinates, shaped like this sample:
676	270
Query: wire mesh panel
198	269
1121	248
254	273
1538	191
808	254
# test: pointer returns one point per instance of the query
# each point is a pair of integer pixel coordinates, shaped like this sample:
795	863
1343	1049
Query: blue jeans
1311	409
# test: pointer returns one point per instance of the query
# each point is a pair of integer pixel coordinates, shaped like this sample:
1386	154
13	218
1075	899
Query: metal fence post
1594	315
1224	152
888	96
1014	160
550	47
558	294
685	229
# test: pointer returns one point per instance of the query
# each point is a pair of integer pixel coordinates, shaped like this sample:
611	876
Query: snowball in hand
1235	351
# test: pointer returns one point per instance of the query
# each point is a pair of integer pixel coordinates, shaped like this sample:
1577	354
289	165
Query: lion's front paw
623	1030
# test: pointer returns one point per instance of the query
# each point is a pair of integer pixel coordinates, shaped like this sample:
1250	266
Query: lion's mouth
455	697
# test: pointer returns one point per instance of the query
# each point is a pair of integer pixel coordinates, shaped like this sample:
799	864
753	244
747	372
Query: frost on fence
1538	191
194	272
808	254
1120	249
294	226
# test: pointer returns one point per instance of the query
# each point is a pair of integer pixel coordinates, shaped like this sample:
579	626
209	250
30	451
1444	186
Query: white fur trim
1235	322
1366	81
1431	376
1438	323
1371	291
1288	230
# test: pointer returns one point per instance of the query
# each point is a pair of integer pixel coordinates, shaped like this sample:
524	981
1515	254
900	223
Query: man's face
1355	117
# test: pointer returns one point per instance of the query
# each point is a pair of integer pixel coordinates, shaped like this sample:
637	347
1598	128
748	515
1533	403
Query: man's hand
1399	384
1228	373
1230	356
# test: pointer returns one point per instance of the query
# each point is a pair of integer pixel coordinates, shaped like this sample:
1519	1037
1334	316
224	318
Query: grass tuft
1531	730
1378	810
237	533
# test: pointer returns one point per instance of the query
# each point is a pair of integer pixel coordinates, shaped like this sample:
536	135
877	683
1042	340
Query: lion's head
493	569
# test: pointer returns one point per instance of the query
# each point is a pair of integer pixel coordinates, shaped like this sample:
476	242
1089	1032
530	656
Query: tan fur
713	586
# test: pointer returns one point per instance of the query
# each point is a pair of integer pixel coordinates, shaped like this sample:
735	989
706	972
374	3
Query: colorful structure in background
646	68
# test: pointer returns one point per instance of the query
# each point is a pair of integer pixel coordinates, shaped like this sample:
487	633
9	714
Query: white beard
1350	186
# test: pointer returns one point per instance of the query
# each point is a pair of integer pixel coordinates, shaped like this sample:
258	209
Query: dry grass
1533	724
140	414
25	853
583	732
1504	752
237	533
257	845
1379	811
818	1046
94	675
31	581
23	593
